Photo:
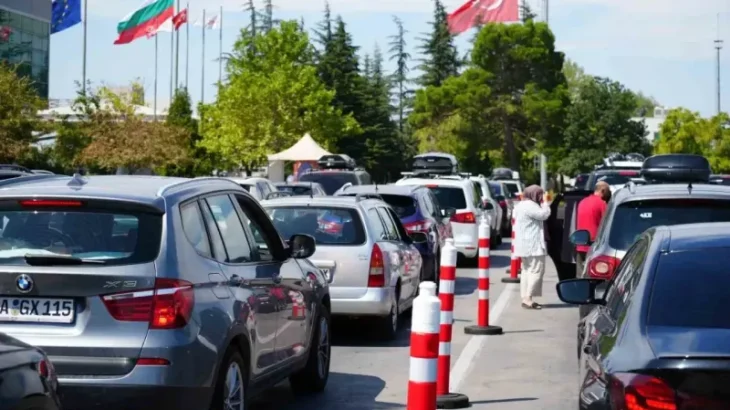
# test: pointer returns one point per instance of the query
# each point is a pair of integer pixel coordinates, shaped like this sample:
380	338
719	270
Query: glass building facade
24	43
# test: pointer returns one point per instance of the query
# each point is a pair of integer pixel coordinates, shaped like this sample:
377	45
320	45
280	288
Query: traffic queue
174	293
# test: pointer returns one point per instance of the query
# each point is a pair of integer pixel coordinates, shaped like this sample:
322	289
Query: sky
662	48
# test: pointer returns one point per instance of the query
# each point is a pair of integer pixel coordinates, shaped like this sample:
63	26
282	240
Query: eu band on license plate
36	310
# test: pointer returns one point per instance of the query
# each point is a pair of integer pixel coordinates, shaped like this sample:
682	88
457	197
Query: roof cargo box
676	168
336	161
436	163
503	173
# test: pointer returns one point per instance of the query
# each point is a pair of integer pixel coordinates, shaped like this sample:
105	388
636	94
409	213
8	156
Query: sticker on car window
645	215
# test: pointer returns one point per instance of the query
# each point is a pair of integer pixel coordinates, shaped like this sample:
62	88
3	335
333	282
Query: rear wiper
59	260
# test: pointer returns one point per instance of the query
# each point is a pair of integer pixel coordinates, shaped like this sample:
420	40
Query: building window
27	48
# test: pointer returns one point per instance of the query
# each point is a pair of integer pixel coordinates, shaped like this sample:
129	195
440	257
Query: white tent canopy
306	149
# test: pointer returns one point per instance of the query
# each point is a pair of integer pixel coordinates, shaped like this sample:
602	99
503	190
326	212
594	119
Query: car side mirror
448	212
580	238
418	237
579	291
302	246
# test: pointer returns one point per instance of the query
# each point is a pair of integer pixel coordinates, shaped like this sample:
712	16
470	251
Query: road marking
475	345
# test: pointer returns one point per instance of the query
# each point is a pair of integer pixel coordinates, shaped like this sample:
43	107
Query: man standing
590	212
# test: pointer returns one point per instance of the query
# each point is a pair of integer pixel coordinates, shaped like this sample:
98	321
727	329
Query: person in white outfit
529	243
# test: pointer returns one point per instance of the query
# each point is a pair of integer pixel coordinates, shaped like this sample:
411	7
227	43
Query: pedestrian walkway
533	366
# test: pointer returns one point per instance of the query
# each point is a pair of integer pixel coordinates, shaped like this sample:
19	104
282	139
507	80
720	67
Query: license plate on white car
36	310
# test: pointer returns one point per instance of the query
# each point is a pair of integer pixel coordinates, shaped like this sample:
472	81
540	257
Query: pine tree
253	24
324	28
441	59
399	52
366	69
267	17
526	12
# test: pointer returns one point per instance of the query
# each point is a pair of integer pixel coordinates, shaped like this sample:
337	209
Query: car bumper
125	397
371	302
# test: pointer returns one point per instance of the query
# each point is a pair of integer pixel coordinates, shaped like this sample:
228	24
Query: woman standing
530	216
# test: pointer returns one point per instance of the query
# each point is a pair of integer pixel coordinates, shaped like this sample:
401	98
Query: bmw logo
24	283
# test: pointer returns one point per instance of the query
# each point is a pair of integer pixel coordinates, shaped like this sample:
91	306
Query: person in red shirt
590	212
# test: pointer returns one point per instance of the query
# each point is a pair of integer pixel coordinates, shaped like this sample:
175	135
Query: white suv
463	195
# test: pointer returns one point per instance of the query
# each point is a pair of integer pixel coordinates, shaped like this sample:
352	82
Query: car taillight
44	369
376	274
418	226
465	218
152	361
503	204
602	266
631	391
167	306
49	203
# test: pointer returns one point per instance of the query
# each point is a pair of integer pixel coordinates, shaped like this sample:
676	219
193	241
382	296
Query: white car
495	214
463	195
514	187
258	187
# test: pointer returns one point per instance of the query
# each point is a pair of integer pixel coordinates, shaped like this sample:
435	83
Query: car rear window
246	187
449	197
690	289
330	181
403	205
496	188
328	225
116	237
295	190
631	219
513	189
580	181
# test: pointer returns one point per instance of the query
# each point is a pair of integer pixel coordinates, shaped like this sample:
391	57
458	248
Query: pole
83	63
425	317
187	47
718	47
172	64
202	71
177	50
543	172
220	49
547	12
156	64
483	328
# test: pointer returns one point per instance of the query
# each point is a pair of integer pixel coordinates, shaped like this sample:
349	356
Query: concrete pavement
529	367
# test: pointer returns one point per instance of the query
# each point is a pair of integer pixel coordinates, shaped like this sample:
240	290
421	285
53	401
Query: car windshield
330	181
631	219
449	197
496	188
296	189
403	205
115	237
699	280
328	225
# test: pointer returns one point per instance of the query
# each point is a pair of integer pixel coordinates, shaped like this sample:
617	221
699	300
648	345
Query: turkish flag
475	12
180	18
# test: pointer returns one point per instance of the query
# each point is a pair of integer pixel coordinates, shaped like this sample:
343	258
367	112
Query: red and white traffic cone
482	327
515	261
424	349
447	284
297	309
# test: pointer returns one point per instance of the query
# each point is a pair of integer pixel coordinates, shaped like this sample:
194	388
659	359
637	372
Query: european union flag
65	14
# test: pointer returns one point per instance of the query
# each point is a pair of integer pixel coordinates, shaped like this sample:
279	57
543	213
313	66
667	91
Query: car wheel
389	324
37	403
313	377
232	385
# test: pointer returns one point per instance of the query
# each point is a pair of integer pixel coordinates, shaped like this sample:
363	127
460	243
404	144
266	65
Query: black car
659	337
336	171
500	196
27	378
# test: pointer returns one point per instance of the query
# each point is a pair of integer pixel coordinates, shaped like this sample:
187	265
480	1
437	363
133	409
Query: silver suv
363	249
150	292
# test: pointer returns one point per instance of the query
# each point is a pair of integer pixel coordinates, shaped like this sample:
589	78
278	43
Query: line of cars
652	333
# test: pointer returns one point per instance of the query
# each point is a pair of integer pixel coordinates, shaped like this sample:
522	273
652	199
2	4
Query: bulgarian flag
145	20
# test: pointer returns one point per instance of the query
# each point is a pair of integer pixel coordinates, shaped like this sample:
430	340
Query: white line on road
475	345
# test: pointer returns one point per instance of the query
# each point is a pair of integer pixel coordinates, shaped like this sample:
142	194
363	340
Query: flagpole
220	49
83	63
202	71
156	62
187	47
177	49
172	61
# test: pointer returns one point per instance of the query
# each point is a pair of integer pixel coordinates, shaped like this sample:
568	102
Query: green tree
324	30
136	97
644	105
441	59
180	114
526	13
19	103
267	16
399	53
599	122
273	98
686	132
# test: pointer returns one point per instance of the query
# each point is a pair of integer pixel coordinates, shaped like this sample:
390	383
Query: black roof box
676	168
502	173
437	163
336	161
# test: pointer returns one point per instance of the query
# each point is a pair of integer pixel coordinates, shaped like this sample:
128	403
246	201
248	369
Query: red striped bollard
515	261
447	284
482	327
424	349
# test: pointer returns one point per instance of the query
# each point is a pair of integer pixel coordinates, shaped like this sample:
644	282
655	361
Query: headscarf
533	193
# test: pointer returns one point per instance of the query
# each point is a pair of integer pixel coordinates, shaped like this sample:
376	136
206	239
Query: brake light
376	275
42	203
503	204
167	306
602	266
629	173
640	392
464	218
417	226
152	361
44	369
432	186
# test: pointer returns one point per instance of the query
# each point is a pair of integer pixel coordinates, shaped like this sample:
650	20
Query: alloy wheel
234	394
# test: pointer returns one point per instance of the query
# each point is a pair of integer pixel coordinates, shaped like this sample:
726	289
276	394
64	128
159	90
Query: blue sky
662	48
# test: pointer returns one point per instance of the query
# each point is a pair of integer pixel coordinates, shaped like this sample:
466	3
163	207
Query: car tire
233	370
36	403
388	325
313	377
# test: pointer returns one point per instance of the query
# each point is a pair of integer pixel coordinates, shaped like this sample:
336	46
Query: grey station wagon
150	292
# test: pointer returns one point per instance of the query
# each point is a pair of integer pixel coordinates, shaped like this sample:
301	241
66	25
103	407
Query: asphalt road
532	366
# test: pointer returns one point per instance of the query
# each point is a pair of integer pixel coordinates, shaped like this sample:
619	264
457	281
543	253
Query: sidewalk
533	366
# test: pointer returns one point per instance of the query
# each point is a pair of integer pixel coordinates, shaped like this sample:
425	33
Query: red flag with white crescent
475	12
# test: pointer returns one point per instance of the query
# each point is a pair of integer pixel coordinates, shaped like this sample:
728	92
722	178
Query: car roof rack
337	161
676	168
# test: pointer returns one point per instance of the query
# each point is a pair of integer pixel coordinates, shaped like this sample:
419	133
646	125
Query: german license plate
37	310
325	272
